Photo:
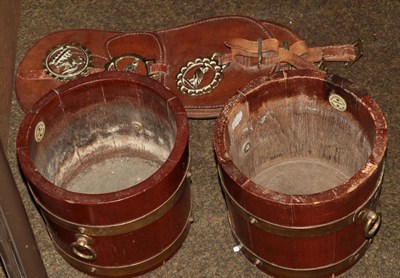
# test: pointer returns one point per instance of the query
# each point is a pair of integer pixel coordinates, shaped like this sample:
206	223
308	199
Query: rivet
253	220
246	147
137	126
257	262
189	178
237	248
354	258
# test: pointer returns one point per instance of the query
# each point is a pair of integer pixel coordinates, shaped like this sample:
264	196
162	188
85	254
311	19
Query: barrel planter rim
39	183
352	185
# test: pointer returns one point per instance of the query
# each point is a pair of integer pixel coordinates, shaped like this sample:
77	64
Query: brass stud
237	248
253	220
246	147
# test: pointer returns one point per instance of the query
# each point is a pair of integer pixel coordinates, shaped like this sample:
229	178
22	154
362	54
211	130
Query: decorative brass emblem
67	61
40	129
337	102
200	76
130	63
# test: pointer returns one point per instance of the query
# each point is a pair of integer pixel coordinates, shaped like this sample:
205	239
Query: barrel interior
287	137
103	139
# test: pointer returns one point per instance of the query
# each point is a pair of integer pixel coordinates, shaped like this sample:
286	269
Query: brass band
119	228
128	269
305	231
325	270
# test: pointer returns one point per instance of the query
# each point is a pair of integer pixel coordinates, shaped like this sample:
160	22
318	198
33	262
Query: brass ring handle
373	223
82	249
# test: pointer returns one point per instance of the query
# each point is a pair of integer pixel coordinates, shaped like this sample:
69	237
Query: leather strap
204	69
298	54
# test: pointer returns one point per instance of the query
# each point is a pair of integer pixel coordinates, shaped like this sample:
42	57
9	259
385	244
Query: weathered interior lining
297	143
108	145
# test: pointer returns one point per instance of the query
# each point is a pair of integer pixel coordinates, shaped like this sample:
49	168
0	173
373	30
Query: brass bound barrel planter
106	159
301	160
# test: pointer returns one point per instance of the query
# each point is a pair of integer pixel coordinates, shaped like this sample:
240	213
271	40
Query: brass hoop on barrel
364	212
124	227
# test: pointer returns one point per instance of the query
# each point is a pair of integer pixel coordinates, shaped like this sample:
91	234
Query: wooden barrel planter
301	160
106	159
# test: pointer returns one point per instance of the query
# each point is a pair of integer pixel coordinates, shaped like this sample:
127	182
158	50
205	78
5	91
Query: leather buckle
358	48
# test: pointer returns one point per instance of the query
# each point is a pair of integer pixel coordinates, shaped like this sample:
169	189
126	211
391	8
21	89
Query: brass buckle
259	46
322	65
137	60
359	52
286	46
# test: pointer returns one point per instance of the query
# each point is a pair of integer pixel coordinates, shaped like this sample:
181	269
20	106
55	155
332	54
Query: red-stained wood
289	158
94	121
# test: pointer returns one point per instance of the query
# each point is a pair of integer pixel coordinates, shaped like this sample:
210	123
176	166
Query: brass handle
373	223
82	249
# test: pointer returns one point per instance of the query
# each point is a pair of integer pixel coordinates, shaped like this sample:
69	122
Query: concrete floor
207	252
